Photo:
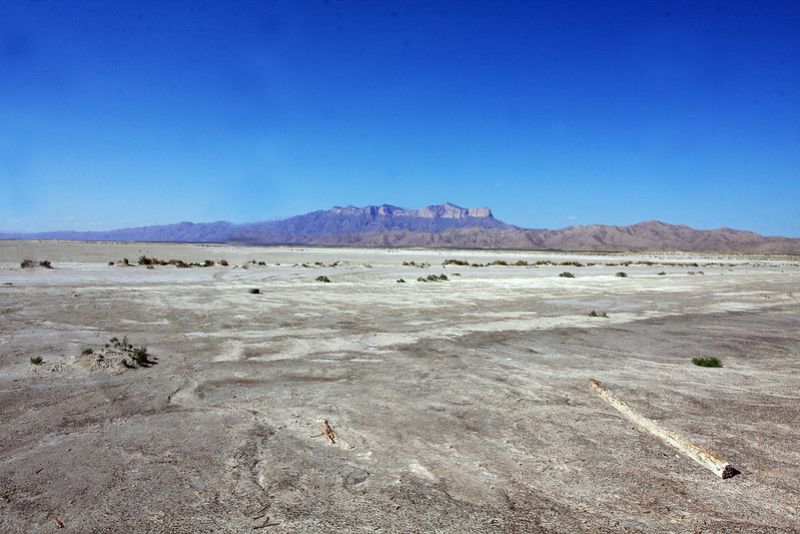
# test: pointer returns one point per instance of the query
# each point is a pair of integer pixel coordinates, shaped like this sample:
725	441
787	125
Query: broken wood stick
327	431
707	459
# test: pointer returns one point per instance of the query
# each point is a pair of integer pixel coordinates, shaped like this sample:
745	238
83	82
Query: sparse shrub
140	356
662	273
401	281
594	313
125	261
621	275
463	263
261	263
707	361
224	263
521	263
502	263
208	263
27	264
87	352
36	360
572	263
566	274
46	264
323	278
255	291
433	278
144	260
111	263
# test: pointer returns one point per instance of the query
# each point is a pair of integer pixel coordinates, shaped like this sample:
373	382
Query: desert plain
456	405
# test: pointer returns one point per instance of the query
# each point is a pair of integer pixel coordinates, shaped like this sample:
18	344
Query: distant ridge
443	226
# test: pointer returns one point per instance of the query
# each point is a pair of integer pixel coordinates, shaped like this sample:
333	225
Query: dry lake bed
456	405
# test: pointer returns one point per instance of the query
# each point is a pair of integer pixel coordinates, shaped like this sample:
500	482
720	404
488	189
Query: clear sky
552	113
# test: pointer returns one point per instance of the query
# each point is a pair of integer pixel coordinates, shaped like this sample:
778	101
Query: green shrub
87	352
401	281
323	279
224	263
621	275
707	361
521	263
662	273
566	274
594	313
27	264
46	264
36	360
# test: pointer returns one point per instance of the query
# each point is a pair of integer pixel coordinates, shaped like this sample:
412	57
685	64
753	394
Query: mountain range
441	226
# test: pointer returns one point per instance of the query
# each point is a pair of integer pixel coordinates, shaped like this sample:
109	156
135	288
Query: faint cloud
571	217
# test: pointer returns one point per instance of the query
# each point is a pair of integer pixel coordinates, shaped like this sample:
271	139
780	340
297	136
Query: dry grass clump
566	274
30	264
324	279
594	313
119	352
462	263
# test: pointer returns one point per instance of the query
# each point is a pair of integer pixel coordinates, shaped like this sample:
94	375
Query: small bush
463	263
707	361
208	263
46	264
323	279
433	278
501	263
87	352
224	263
111	263
621	275
401	281
27	264
144	260
140	356
36	360
566	274
255	291
662	273
594	313
521	263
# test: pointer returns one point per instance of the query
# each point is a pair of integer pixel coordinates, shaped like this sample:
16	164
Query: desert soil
455	406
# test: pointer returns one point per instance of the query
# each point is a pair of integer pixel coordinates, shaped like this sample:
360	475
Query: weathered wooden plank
707	459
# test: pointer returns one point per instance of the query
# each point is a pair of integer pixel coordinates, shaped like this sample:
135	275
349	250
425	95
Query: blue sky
119	114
